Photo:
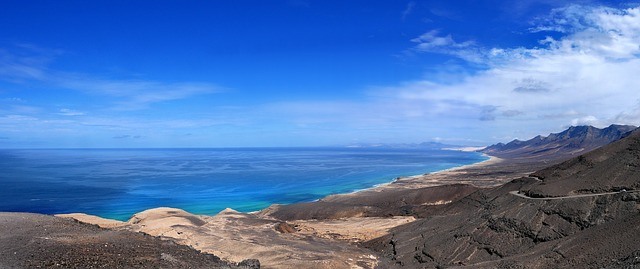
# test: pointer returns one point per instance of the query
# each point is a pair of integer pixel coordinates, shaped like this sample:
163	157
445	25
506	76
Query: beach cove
314	238
117	183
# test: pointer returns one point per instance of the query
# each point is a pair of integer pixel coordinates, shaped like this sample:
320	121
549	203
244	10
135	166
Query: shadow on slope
491	228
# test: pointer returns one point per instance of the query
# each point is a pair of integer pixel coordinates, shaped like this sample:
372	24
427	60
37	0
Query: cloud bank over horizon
580	69
584	77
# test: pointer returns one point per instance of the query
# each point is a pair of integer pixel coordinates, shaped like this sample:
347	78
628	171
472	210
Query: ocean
116	183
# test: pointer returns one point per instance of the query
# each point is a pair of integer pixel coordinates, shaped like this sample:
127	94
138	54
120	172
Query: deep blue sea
116	183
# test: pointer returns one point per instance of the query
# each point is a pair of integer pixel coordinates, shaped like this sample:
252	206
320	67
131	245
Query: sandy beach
318	238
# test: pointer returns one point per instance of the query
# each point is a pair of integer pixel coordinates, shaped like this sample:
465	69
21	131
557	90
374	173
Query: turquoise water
116	183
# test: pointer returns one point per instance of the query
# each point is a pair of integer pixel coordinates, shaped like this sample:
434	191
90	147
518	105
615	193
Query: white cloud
630	116
587	120
70	112
432	41
588	76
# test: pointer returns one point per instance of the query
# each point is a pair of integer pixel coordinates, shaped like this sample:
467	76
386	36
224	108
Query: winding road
516	193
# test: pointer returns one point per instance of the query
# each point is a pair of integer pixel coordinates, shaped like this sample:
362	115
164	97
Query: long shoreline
399	182
236	236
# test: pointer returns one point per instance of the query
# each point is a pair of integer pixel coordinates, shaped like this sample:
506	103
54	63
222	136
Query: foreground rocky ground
41	241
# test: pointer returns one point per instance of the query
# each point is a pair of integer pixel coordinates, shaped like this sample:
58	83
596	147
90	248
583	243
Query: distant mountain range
423	145
570	143
581	213
611	168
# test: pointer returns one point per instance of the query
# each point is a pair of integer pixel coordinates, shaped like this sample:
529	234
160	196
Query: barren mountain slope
495	228
569	143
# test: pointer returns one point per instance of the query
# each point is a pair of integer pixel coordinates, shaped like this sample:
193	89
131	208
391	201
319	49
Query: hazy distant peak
573	141
422	145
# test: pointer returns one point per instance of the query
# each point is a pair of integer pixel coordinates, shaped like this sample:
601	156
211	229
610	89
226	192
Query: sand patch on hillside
236	236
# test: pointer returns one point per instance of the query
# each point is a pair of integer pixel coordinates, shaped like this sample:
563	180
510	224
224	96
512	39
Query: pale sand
235	236
354	230
102	222
467	149
492	160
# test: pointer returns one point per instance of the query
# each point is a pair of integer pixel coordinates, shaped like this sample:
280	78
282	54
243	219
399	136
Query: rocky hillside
591	223
569	143
41	241
612	168
370	204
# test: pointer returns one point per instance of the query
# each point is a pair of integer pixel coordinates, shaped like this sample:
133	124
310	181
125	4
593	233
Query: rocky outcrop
285	228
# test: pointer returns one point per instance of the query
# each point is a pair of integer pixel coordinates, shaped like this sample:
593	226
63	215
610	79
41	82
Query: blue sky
312	73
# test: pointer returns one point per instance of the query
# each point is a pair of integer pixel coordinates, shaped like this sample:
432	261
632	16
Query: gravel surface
41	241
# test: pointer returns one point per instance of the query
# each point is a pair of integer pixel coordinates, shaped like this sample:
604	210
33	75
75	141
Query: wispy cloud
431	40
17	69
127	137
135	94
26	63
70	112
408	9
434	42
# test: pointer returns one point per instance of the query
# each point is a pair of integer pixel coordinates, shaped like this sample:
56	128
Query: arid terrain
580	213
328	233
502	213
41	241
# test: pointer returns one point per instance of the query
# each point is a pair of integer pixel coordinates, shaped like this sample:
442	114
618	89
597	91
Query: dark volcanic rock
250	263
41	241
285	228
404	202
608	169
569	143
492	228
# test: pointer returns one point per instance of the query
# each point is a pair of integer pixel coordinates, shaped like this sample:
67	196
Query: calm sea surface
116	183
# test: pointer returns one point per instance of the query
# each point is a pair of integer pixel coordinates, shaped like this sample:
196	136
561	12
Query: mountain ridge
516	226
569	143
